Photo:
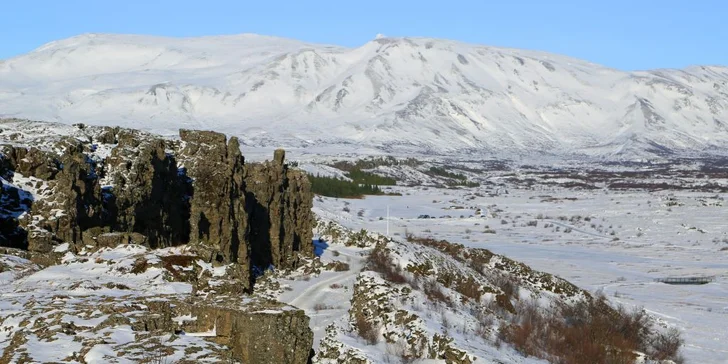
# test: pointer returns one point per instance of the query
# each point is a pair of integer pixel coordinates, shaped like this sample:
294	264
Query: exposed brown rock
259	332
257	215
226	211
11	234
107	135
30	162
218	216
281	221
149	196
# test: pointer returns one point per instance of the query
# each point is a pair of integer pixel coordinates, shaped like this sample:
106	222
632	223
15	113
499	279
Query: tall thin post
387	220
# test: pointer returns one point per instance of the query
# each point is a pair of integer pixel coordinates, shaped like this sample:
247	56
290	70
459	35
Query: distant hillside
396	94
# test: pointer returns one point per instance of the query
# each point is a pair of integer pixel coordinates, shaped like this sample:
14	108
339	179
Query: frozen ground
631	238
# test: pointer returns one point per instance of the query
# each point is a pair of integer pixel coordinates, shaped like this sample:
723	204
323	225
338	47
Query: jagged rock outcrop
106	187
73	205
78	194
149	194
161	193
218	216
30	162
11	207
280	201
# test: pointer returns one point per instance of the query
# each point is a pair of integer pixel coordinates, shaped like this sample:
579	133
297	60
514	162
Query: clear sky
628	35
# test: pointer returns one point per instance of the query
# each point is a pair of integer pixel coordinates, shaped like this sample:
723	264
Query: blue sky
628	35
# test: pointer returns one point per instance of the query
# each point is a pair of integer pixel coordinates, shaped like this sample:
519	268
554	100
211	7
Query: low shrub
591	331
380	262
367	330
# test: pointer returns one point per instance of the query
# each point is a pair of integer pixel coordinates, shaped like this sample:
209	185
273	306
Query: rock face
69	196
149	193
11	206
143	189
218	217
78	194
261	332
280	202
30	162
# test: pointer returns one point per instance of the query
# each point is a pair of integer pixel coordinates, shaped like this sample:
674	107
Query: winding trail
307	298
323	304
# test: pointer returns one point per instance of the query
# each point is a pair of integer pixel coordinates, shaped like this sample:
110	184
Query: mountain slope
396	93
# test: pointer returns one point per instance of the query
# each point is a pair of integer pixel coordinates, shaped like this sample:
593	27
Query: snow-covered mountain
393	93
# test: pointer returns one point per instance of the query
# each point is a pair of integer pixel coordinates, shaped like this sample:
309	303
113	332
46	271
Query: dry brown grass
380	262
367	329
588	332
434	293
140	266
170	262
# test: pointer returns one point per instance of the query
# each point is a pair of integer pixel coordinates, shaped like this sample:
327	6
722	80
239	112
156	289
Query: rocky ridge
87	192
107	186
131	303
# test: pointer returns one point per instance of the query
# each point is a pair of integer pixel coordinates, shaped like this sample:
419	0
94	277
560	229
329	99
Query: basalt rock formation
261	332
218	216
115	186
280	201
148	193
66	195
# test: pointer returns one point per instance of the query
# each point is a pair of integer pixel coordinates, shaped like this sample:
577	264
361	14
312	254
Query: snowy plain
655	240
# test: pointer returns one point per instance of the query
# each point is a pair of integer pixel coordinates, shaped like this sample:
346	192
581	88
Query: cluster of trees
457	179
371	163
340	188
367	178
442	172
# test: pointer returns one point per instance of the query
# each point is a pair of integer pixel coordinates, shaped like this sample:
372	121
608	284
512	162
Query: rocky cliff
82	193
109	186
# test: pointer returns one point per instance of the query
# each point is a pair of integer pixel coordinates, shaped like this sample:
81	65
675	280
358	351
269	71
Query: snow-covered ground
618	242
630	239
325	296
88	308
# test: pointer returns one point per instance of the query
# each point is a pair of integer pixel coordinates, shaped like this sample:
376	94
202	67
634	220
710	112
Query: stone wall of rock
218	216
280	202
197	191
149	194
264	332
75	203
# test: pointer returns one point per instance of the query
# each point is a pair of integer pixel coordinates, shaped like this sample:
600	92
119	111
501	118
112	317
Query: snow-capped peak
393	93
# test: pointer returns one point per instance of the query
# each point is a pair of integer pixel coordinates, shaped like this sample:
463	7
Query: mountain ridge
396	94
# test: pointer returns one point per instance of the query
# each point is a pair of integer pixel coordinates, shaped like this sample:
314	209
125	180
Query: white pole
387	220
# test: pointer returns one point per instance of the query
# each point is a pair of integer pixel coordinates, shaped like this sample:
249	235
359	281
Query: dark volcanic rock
11	207
78	192
150	195
280	202
257	215
139	189
30	162
218	216
259	332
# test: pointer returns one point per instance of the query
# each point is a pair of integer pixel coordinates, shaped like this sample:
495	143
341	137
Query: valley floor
616	242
